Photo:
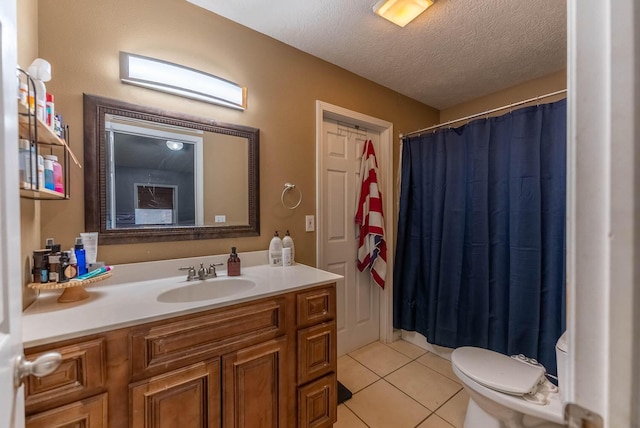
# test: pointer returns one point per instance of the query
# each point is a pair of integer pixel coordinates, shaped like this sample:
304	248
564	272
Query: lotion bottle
275	250
233	264
287	242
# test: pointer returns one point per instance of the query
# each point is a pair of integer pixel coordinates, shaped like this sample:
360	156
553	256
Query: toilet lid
497	371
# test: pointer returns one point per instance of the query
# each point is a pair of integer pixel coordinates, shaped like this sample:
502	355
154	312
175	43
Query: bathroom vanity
261	356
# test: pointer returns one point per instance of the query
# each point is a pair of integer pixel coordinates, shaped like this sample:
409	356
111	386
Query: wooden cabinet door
184	398
255	392
87	413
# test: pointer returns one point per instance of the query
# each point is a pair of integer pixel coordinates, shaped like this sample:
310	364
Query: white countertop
129	297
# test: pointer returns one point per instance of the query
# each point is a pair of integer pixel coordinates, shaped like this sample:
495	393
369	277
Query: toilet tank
562	360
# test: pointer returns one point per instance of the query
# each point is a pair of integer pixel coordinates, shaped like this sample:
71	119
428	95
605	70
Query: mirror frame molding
95	202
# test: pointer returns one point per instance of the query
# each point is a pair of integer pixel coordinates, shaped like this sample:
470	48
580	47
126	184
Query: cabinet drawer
317	351
318	403
172	345
316	306
88	413
81	374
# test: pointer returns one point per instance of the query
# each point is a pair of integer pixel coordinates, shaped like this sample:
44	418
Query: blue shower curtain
480	254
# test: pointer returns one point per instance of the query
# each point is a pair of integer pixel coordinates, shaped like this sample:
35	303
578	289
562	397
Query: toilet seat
497	371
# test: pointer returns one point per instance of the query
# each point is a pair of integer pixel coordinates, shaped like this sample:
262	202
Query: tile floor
399	385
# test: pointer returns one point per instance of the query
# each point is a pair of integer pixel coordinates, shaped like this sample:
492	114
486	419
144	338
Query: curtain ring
287	187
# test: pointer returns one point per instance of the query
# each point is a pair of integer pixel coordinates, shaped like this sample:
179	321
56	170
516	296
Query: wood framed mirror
152	175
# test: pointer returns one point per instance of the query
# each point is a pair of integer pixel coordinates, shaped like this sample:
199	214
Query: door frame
325	110
10	254
603	223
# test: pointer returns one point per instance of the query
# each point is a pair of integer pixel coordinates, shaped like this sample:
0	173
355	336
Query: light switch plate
309	224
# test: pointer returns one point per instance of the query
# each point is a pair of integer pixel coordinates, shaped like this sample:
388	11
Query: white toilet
509	392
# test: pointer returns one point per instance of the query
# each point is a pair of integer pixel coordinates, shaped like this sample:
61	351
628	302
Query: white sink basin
206	290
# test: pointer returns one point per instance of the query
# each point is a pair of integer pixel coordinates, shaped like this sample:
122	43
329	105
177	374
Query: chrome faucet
191	274
203	273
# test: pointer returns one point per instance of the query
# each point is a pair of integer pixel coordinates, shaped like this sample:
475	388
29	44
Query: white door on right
358	297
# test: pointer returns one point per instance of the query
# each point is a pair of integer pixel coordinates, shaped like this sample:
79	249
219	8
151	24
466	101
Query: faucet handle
212	268
192	272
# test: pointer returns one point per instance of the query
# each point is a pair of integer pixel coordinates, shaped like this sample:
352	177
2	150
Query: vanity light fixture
180	80
401	12
174	145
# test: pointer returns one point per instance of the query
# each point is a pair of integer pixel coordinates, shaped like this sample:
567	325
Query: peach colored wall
82	39
29	209
533	88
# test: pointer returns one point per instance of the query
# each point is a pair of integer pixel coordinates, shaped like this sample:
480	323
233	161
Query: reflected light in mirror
175	145
179	80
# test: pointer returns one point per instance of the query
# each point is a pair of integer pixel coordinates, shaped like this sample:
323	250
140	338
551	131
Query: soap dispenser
287	242
233	264
275	250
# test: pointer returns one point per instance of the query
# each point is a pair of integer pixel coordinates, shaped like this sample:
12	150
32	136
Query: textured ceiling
456	51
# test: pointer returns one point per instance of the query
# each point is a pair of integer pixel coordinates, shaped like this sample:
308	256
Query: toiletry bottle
44	269
233	264
287	242
49	111
286	256
40	177
38	257
64	266
54	263
71	271
23	162
58	186
80	256
275	250
48	173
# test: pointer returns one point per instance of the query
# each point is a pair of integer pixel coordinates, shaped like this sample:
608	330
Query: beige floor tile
383	406
434	421
455	409
439	364
354	375
347	419
409	349
380	358
426	386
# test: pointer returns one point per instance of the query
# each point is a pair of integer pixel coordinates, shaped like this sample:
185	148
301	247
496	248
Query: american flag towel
372	249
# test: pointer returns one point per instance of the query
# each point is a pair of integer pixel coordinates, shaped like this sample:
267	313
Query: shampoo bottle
275	250
233	264
287	242
80	256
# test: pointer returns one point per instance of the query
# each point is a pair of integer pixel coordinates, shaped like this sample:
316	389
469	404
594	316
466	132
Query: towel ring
287	187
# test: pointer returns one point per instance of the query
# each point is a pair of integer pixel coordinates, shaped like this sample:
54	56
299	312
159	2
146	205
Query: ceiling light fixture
401	12
179	80
174	145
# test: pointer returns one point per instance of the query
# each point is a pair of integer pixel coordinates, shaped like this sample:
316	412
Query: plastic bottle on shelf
27	164
275	250
58	186
287	242
48	173
49	111
40	72
40	181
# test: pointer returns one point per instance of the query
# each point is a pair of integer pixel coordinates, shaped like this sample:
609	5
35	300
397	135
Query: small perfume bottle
233	264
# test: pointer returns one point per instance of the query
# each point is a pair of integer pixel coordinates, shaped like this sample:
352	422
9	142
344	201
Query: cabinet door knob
44	365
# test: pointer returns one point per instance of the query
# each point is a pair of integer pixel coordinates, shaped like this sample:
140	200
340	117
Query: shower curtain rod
551	94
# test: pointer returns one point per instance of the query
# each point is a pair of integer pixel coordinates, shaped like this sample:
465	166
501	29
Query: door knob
44	365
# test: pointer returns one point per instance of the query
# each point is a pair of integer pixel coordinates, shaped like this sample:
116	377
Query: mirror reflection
167	176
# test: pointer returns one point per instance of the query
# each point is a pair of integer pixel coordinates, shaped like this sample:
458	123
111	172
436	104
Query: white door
11	400
358	297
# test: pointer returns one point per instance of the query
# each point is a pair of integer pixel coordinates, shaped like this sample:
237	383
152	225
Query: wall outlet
221	219
309	224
